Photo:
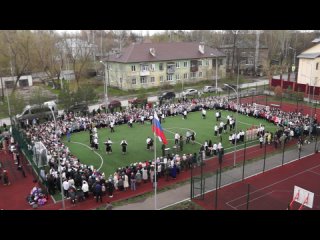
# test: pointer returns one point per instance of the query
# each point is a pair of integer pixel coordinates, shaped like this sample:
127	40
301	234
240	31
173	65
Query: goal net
40	157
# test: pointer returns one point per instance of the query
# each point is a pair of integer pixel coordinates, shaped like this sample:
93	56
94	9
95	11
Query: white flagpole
155	166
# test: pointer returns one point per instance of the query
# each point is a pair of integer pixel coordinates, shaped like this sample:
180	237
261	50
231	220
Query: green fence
23	143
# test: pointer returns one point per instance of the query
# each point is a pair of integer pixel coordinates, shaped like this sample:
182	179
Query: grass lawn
136	138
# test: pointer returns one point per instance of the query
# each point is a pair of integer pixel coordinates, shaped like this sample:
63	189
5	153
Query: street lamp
106	85
59	164
294	60
235	143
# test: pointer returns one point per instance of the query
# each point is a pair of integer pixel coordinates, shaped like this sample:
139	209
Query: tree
19	52
278	92
38	96
79	50
66	97
49	56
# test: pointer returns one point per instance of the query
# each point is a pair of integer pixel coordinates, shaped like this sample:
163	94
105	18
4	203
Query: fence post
248	196
191	184
316	143
265	153
283	147
244	158
216	203
220	176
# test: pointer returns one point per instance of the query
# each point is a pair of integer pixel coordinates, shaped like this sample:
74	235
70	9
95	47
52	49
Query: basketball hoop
302	196
305	201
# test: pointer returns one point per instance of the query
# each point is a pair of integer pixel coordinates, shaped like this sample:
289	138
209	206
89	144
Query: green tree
66	97
17	103
85	93
38	96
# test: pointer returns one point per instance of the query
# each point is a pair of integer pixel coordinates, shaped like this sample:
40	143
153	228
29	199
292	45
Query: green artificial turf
136	138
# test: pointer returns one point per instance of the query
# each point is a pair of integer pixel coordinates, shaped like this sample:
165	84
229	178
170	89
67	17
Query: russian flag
157	129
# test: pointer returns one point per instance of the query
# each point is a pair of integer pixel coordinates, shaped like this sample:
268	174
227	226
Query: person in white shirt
142	119
185	114
216	130
112	126
204	113
65	186
176	138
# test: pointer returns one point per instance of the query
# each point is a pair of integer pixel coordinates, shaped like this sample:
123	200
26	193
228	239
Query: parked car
167	96
207	89
190	92
78	108
42	111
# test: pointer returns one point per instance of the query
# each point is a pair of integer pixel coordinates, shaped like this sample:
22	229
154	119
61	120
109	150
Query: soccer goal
40	157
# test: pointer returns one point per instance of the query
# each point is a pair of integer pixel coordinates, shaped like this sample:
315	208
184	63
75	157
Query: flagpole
155	167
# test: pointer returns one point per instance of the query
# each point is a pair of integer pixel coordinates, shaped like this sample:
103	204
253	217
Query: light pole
235	142
311	115
106	85
216	73
59	164
294	60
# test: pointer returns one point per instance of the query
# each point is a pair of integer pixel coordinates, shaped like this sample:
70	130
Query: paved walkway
173	196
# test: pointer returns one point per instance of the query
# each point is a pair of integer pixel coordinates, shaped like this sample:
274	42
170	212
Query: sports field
136	138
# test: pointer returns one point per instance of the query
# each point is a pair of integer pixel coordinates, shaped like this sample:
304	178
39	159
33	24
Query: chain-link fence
250	160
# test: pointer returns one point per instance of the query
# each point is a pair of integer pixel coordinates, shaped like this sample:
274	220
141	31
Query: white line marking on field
93	151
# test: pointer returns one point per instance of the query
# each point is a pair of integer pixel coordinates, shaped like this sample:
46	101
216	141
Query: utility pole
257	51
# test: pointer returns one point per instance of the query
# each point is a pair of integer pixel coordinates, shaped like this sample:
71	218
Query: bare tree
19	47
50	58
79	50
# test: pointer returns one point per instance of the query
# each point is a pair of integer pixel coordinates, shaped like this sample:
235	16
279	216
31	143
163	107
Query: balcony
144	73
170	70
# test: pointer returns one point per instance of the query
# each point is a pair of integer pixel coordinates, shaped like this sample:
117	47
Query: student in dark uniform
124	145
163	147
108	144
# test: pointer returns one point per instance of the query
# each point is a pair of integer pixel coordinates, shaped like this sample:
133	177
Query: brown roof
140	52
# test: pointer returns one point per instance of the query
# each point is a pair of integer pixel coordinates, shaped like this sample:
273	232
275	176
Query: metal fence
250	161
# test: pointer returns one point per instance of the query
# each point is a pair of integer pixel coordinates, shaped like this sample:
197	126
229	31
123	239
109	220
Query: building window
207	62
153	67
133	68
177	77
169	77
143	80
144	68
152	79
177	64
200	63
317	66
200	74
193	75
161	78
160	66
185	64
185	75
214	62
133	81
220	62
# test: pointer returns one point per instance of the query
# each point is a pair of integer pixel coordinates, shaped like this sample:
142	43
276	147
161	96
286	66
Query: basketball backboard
303	196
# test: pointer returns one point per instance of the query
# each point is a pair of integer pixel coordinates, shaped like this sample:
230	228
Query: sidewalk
173	196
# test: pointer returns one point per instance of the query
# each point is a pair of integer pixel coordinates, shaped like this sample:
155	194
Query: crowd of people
80	179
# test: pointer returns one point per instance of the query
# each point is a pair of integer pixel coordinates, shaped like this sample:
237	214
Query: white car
207	89
190	92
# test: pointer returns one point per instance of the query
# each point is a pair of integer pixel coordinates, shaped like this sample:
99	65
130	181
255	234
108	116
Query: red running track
272	190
